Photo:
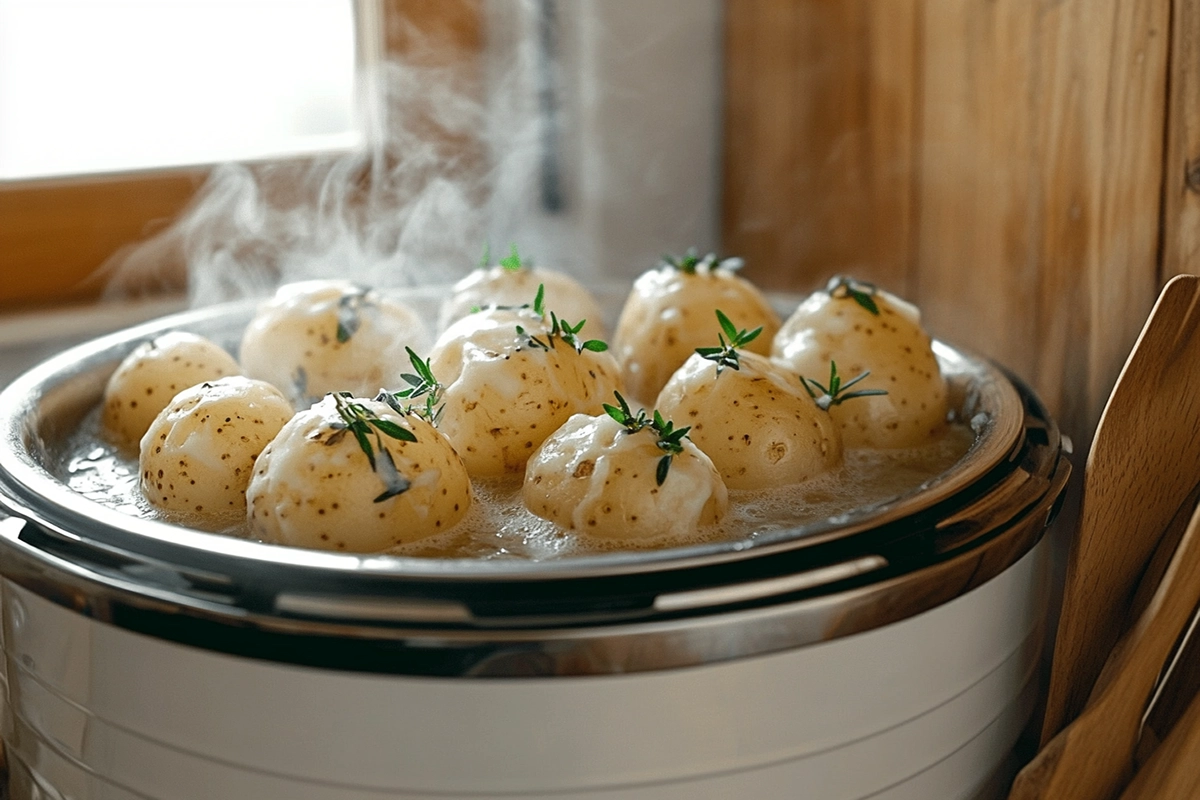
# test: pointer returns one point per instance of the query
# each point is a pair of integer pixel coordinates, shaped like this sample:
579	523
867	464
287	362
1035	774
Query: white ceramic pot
888	654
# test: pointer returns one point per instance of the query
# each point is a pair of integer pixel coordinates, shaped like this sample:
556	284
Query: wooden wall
1001	163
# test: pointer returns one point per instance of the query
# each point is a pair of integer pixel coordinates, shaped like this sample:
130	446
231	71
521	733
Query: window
108	112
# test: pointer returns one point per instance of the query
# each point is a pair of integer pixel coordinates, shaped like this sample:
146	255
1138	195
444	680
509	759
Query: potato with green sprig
669	314
197	456
146	380
358	475
757	421
512	282
512	376
321	336
865	329
621	475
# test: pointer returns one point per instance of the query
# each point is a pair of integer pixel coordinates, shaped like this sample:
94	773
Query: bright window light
89	86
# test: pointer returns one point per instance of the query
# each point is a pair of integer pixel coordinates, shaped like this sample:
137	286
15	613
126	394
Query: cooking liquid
499	526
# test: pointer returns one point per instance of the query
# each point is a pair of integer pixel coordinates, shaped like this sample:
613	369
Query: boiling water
499	526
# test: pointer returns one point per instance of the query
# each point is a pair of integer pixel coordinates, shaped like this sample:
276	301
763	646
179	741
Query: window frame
57	233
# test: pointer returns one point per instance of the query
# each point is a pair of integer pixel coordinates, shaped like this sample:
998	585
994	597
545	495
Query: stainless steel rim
62	386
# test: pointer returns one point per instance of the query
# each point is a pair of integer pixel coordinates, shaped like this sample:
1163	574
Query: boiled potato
197	456
864	329
597	477
316	337
506	286
151	375
757	423
669	314
315	485
505	394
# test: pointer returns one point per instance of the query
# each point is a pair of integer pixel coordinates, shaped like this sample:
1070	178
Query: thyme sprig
670	438
366	425
559	328
421	384
691	260
726	355
512	262
349	310
622	414
860	292
835	393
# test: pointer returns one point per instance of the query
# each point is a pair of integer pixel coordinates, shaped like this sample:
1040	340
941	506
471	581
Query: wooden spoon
1144	459
1092	758
1173	772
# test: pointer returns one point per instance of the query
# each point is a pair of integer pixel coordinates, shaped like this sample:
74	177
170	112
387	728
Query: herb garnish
512	262
726	355
558	327
422	384
689	261
860	292
835	393
365	424
670	439
349	306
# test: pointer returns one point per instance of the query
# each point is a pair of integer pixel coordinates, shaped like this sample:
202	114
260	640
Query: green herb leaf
690	261
664	465
485	260
512	262
728	327
393	430
559	328
726	355
394	483
350	307
860	292
422	383
364	443
835	393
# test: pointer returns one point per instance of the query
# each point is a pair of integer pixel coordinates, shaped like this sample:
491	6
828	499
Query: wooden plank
54	234
1039	196
818	139
1039	200
1181	181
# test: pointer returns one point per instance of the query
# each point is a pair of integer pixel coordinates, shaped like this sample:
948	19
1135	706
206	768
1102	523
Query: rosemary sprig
559	328
726	355
690	261
836	394
421	384
350	306
670	438
860	292
366	425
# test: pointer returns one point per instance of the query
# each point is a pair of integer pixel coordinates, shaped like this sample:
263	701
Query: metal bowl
854	572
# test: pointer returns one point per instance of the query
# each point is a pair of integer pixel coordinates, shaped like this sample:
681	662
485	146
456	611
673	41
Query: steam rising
578	148
450	163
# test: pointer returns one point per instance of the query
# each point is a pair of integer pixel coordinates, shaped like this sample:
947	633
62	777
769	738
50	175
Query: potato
502	286
316	337
505	395
757	423
831	325
315	486
197	457
669	314
597	478
151	375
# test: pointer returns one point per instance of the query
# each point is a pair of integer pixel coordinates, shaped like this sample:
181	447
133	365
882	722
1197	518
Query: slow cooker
890	652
